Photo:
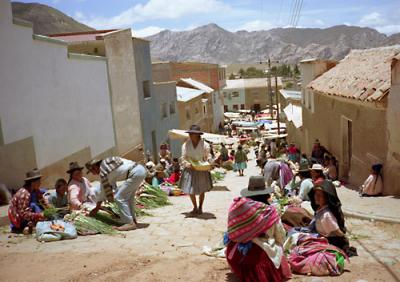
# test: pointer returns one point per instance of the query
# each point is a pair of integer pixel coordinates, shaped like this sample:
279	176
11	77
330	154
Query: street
170	248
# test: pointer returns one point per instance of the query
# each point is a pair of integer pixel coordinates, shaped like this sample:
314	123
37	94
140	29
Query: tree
242	73
296	70
232	76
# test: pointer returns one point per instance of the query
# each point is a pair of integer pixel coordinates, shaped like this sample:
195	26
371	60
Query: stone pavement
173	235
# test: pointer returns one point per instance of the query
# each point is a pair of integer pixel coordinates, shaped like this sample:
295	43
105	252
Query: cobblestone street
169	249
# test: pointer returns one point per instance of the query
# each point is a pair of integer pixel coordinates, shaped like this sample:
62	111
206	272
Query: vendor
78	187
159	176
373	185
165	153
195	182
317	173
22	214
224	153
115	169
58	198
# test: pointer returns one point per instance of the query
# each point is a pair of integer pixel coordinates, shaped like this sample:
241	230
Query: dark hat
195	129
256	187
303	167
33	174
377	167
91	163
74	166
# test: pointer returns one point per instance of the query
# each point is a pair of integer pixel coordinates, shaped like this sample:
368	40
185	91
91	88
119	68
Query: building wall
52	104
256	95
191	112
392	165
229	100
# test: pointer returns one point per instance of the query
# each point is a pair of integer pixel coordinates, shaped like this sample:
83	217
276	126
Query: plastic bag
44	232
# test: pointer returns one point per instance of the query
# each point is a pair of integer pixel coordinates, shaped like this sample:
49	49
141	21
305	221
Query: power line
291	11
294	12
278	21
298	14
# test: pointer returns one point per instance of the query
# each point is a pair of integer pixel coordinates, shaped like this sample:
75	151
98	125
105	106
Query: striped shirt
107	166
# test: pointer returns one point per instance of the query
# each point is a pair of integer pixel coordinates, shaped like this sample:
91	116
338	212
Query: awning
210	137
242	123
232	115
294	114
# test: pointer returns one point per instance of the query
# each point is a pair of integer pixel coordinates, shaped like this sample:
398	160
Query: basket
201	166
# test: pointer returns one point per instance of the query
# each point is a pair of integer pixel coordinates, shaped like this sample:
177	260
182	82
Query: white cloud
147	31
319	22
389	29
256	25
372	19
157	10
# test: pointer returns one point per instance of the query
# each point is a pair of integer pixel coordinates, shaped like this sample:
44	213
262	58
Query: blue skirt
195	182
240	166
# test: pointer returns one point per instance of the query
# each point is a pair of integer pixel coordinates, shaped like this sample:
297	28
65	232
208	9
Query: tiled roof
363	75
185	94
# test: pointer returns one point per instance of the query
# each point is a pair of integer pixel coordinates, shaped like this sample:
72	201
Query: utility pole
277	104
271	109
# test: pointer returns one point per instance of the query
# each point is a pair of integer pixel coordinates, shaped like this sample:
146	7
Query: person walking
240	160
195	182
115	169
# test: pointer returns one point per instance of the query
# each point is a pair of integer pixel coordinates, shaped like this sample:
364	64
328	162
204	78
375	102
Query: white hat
150	164
316	167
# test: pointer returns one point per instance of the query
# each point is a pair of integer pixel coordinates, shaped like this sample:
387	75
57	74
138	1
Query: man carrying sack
115	169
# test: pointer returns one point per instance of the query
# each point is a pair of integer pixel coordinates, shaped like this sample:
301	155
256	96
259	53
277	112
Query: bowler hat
33	174
74	166
256	187
195	129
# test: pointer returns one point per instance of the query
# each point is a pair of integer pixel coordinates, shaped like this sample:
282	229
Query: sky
147	17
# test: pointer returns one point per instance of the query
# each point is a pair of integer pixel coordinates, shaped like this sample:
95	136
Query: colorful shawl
248	219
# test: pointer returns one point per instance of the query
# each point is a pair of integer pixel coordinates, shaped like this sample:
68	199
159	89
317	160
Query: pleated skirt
195	182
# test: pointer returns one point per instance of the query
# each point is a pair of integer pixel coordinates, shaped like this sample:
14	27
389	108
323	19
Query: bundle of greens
52	212
89	225
152	198
217	176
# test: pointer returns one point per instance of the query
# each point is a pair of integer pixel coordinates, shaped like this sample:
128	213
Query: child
240	160
58	198
232	155
158	176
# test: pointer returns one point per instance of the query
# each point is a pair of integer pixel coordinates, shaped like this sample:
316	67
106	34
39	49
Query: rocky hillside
45	19
211	43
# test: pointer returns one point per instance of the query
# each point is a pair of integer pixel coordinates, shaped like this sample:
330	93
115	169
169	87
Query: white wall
234	100
62	102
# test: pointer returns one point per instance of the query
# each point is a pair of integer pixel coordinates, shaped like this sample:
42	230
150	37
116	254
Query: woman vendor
22	214
194	182
79	187
254	242
373	185
159	176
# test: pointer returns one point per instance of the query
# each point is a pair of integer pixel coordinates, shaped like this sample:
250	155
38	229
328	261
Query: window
187	114
96	50
204	109
146	89
235	107
164	113
172	108
226	108
242	106
235	94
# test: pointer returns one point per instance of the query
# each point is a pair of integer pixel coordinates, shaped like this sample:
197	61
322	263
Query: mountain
45	19
213	44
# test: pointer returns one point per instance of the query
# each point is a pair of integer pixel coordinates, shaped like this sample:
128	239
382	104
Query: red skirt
256	265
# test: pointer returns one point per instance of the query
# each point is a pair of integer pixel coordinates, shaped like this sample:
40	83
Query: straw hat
316	167
248	219
74	166
33	174
256	187
195	129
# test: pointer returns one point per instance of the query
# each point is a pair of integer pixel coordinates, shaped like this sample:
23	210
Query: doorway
347	146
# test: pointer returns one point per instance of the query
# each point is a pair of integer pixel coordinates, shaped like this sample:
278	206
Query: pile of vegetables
86	225
151	198
217	176
51	212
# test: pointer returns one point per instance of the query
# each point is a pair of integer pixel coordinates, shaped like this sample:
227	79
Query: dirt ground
170	248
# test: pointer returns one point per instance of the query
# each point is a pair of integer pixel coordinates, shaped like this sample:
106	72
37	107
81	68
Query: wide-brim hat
195	129
317	167
74	166
33	174
159	168
248	219
91	163
256	187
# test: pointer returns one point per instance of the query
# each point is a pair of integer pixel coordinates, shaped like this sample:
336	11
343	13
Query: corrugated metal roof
234	84
185	94
363	75
197	84
294	114
291	94
250	83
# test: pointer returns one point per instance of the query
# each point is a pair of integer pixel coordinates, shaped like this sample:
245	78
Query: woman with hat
373	185
257	191
165	153
254	242
22	214
159	176
78	187
317	173
194	182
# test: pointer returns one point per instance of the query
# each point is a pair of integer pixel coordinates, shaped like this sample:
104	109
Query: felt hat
303	167
256	187
248	219
33	174
91	163
74	166
316	167
195	129
159	168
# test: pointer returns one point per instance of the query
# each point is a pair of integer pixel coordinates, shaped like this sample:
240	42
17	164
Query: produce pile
149	197
217	175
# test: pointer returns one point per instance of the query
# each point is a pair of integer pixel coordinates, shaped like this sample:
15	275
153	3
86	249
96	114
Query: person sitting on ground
317	173
373	185
23	216
58	198
174	176
132	175
257	191
224	153
331	171
240	160
304	160
174	166
271	171
79	188
149	172
165	165
232	156
318	152
164	152
254	242
159	176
